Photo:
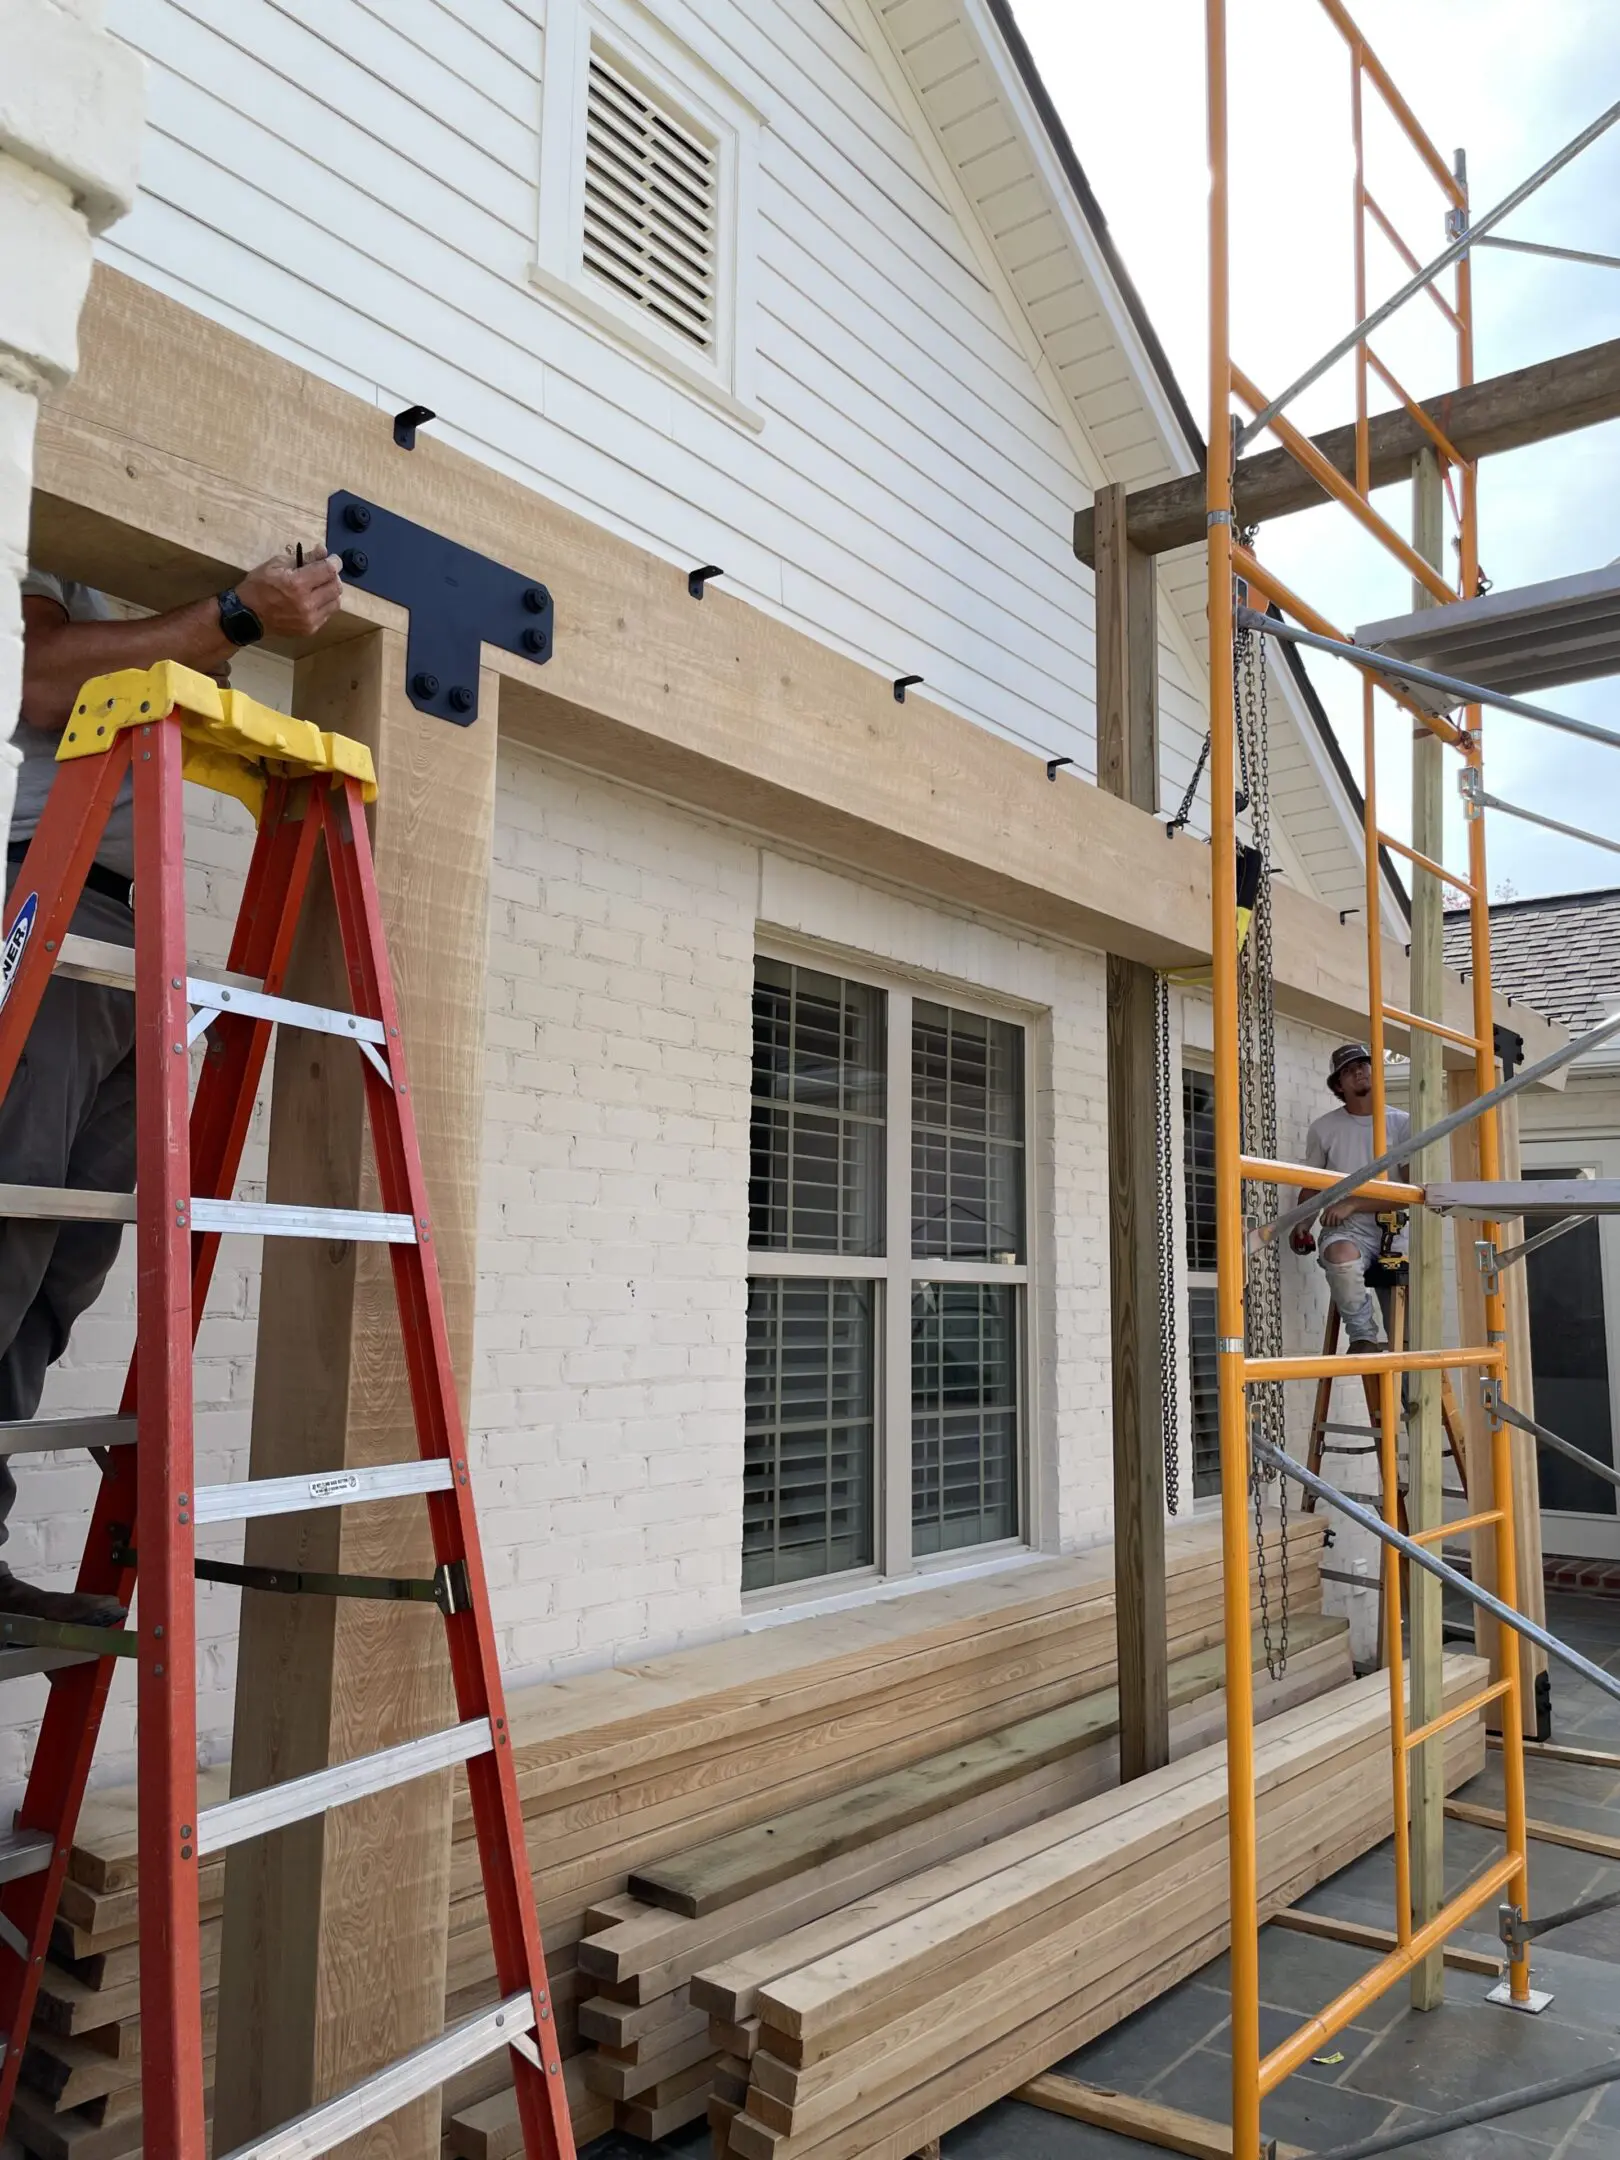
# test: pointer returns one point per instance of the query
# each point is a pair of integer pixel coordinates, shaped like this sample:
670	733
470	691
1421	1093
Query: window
888	1188
647	201
1198	1184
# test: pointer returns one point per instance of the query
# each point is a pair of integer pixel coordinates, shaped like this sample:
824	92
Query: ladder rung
256	1813
98	960
274	1218
227	997
24	1664
1361	1430
250	1218
38	1436
24	1852
422	2071
327	1488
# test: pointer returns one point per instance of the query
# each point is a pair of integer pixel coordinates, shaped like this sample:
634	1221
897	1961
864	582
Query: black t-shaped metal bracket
457	599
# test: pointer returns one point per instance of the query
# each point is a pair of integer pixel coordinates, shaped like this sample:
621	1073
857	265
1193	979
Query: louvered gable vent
650	204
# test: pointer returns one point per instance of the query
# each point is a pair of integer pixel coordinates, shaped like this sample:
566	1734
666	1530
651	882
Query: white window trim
897	1273
673	71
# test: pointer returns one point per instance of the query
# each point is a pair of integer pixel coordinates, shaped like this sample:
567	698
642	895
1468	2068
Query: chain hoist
1169	1422
1257	1100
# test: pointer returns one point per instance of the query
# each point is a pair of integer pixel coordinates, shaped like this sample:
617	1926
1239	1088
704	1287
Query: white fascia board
981	27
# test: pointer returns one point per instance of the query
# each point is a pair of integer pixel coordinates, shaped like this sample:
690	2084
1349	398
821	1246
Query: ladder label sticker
328	1488
16	941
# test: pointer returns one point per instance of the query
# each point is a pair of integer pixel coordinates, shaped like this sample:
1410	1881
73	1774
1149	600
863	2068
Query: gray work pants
68	1118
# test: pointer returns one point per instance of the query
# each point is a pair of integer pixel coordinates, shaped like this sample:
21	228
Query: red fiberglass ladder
162	724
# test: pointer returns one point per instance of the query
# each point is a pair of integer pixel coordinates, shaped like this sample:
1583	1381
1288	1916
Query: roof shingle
1560	955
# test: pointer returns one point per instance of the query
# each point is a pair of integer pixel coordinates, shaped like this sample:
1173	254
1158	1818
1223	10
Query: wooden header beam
181	453
1533	404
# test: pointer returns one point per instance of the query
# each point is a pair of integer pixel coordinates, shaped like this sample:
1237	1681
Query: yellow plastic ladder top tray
232	742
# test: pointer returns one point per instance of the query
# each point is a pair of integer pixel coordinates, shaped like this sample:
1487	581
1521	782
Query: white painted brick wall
608	1386
607	1408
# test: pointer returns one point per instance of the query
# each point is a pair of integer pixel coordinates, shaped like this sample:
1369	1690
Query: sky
1510	85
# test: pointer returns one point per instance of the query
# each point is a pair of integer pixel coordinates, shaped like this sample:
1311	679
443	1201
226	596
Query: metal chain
1169	1420
1191	796
1257	1095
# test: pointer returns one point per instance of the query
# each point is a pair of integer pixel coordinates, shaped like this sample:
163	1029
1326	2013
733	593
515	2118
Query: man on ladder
69	1116
1360	1240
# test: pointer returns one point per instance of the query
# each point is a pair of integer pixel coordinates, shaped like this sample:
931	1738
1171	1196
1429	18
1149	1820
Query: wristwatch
238	620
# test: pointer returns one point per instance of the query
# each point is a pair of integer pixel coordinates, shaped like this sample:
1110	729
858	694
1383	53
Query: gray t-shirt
1339	1141
38	745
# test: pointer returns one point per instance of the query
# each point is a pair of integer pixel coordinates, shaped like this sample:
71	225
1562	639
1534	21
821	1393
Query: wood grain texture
181	453
1425	1311
1147	2121
1532	404
1128	766
314	1913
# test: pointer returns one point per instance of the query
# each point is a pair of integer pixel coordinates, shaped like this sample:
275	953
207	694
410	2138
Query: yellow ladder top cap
234	730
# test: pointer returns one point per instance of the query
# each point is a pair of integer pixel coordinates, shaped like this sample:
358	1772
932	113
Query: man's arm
60	655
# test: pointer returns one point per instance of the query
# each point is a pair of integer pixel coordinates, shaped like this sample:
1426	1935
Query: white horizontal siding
354	184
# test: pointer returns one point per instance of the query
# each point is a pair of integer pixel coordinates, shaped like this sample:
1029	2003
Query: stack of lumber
630	1765
657	2056
79	2098
879	2028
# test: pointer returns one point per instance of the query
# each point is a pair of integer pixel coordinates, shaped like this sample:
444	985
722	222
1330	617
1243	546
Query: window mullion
894	1436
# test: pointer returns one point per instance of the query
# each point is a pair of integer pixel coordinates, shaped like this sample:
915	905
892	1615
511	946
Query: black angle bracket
407	422
447	1587
903	683
457	599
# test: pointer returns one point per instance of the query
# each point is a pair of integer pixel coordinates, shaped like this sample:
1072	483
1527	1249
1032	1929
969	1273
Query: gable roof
1560	954
971	72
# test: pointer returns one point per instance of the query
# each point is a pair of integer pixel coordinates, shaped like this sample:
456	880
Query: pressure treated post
1426	1302
333	1961
1128	766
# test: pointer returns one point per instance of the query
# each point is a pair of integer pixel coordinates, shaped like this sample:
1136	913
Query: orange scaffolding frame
1254	2075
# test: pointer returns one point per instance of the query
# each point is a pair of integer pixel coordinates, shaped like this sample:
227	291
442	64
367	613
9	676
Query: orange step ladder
164	724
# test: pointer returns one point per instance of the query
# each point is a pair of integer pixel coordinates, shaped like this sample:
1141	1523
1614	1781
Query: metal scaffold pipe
1442	1129
1406	675
1432	1564
1458	248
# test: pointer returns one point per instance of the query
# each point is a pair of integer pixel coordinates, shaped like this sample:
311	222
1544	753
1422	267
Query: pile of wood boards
657	2055
887	2024
630	1765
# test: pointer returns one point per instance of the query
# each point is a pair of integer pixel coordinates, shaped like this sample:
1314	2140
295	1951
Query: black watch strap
238	620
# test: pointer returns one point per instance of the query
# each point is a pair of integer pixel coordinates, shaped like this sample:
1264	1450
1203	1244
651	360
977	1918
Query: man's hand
1340	1212
293	602
1300	1238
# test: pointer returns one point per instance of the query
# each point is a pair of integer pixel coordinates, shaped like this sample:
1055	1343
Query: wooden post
1128	766
1426	1302
1521	1393
333	1960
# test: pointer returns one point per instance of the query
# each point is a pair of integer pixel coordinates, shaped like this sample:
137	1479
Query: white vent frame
646	54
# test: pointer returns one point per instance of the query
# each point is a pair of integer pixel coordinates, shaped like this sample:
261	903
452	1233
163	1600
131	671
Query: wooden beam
1149	2122
1425	1320
1380	1940
181	453
1128	766
314	1914
1532	404
1540	1833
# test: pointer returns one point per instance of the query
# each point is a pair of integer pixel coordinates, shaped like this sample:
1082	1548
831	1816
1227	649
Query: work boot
23	1601
1362	1346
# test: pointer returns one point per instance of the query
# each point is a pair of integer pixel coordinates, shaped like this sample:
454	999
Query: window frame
896	1272
642	48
